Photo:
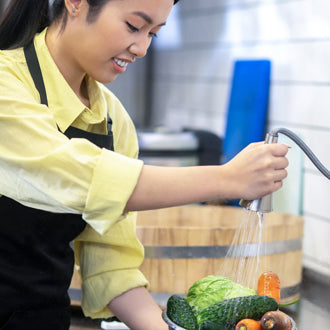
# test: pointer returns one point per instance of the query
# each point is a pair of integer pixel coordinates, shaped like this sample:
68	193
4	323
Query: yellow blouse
41	168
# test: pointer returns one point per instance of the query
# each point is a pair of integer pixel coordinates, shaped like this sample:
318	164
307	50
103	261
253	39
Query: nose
140	46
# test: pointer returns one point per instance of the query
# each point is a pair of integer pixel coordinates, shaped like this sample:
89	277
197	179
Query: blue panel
248	106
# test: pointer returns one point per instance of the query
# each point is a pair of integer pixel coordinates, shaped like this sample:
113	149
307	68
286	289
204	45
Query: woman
67	174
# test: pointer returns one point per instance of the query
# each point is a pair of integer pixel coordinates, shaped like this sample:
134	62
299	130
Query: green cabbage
211	289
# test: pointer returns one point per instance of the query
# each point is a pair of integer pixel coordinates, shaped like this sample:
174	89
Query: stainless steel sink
313	309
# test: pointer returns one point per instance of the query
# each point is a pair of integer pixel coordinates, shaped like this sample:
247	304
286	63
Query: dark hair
22	19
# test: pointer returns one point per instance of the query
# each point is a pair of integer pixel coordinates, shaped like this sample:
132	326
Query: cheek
107	46
97	50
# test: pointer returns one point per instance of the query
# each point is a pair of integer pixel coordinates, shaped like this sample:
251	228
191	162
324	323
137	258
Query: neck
60	52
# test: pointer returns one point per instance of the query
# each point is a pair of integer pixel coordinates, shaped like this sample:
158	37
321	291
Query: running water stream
243	257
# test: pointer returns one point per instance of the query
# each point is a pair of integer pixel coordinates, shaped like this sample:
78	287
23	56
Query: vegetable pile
217	303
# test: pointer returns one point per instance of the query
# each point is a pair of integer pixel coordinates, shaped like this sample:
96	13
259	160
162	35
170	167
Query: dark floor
310	313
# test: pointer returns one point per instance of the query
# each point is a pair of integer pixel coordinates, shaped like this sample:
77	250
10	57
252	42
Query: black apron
36	259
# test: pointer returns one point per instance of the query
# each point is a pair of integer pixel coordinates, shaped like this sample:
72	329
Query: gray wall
130	88
192	80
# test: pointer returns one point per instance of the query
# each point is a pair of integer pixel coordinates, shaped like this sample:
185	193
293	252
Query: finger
280	175
279	149
277	185
280	163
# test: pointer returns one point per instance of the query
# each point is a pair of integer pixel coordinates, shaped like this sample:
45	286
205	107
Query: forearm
170	186
258	170
138	310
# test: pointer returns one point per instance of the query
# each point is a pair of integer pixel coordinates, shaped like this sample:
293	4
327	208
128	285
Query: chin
105	79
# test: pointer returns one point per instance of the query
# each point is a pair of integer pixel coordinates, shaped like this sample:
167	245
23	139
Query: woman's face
121	33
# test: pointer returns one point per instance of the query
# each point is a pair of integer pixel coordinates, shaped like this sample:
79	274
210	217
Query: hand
257	170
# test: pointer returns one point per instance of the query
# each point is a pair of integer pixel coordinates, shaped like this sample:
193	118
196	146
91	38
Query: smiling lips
121	63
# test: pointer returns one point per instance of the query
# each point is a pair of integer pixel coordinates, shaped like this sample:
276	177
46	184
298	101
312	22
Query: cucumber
231	311
180	312
209	325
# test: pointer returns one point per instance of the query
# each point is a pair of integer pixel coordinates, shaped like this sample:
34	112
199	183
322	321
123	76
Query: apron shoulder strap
101	140
34	67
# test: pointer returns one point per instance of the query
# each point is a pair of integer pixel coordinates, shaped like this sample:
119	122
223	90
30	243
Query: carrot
248	324
269	285
275	320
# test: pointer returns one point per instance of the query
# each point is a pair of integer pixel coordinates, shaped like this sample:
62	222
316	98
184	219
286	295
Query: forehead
152	11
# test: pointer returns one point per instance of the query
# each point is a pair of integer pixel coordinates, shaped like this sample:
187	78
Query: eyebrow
146	17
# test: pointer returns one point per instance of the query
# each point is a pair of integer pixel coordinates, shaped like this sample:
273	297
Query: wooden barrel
185	244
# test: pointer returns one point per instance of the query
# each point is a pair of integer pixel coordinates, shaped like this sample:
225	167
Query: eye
153	35
132	27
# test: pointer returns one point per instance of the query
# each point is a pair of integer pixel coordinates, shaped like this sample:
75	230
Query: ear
73	6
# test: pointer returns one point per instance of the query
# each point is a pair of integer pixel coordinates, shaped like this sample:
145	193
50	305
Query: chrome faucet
265	203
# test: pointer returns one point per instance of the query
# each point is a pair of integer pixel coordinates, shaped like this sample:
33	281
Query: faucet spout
263	205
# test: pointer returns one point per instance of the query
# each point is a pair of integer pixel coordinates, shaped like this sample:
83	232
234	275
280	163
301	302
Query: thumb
279	149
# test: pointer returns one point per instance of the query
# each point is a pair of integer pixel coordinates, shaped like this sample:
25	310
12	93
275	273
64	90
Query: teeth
121	63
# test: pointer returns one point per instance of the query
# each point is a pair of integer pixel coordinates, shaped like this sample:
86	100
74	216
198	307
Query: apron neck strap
34	67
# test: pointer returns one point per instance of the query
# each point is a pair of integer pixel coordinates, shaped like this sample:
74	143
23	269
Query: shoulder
10	59
14	74
13	65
